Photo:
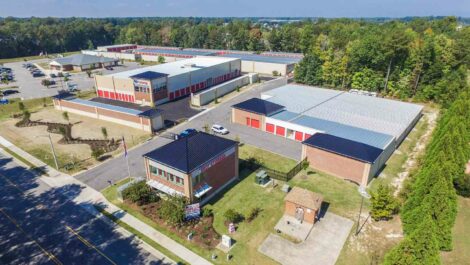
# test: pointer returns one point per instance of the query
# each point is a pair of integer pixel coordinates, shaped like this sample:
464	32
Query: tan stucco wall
337	165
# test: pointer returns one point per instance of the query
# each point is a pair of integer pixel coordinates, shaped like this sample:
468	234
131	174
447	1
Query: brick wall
222	172
337	165
239	116
309	214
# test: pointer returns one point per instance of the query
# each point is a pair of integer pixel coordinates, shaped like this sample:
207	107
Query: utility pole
362	191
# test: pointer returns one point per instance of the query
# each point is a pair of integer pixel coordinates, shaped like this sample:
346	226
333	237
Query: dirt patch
204	234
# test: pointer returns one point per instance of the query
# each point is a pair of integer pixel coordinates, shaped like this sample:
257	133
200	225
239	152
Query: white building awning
202	190
163	188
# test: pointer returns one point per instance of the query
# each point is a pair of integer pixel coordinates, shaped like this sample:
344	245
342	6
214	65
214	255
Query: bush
275	73
46	82
384	205
253	214
207	211
233	216
96	153
140	193
172	209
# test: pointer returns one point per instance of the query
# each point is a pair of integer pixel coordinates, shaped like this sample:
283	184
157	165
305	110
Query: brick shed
303	204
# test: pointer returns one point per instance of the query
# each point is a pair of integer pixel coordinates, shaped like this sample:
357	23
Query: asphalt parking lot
116	169
30	87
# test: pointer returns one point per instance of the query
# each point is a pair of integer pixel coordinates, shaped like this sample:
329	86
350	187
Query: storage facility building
347	135
161	83
197	166
265	63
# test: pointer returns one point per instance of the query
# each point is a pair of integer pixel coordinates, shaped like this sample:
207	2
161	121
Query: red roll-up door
270	127
172	95
255	123
248	121
299	136
307	136
187	90
100	93
112	95
280	130
106	94
177	93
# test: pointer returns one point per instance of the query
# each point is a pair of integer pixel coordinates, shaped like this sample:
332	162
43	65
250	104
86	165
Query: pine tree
384	205
418	248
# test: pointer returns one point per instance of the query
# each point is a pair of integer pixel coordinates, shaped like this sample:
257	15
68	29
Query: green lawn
268	159
460	255
29	58
31	105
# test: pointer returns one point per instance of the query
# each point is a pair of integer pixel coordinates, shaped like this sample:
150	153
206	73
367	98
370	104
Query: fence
275	174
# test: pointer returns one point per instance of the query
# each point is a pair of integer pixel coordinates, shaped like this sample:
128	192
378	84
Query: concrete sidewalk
58	179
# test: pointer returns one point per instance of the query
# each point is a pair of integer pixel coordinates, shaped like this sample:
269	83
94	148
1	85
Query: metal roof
344	147
176	52
259	106
83	59
352	133
188	153
284	115
176	68
105	106
262	58
375	114
149	75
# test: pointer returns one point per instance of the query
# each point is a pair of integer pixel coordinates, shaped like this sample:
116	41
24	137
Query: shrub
96	153
104	131
207	211
233	216
384	205
65	115
46	82
275	73
172	209
21	106
139	193
26	115
253	214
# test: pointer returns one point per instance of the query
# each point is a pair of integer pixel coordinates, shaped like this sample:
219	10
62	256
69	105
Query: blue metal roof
259	106
376	139
105	106
149	75
188	153
262	58
344	147
174	51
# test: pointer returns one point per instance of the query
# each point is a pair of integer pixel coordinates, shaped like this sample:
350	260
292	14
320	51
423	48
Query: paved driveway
322	247
30	87
116	169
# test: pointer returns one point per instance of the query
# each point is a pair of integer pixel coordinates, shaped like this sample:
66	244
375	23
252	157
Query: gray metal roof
380	115
262	58
83	59
379	140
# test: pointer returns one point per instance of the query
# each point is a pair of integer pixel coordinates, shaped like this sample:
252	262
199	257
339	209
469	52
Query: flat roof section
149	75
259	106
344	147
176	68
262	58
376	114
174	51
189	153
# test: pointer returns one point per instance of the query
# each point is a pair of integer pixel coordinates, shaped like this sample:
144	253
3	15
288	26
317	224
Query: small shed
303	204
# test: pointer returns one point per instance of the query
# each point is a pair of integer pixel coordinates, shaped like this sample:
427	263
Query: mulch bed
204	235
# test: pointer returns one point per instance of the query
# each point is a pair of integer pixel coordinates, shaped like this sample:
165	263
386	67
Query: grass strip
24	161
141	236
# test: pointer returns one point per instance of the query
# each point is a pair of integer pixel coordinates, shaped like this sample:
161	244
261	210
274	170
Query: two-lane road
39	225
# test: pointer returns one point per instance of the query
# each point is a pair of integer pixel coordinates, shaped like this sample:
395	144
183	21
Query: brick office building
197	166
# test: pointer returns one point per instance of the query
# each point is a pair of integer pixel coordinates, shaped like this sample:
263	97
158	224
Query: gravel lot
30	87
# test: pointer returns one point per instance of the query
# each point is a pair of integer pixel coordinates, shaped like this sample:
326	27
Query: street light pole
362	191
53	152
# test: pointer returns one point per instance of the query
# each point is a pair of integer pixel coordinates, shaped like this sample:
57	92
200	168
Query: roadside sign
192	211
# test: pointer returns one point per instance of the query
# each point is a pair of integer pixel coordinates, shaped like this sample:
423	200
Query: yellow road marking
49	254
88	244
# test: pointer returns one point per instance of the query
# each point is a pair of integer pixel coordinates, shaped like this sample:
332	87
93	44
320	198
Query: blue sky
237	8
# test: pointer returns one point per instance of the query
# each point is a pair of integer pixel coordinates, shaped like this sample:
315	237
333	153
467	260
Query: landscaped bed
72	157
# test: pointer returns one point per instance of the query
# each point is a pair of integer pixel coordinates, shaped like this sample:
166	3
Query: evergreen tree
384	205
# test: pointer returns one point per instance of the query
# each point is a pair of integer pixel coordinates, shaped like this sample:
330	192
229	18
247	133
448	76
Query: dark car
38	74
9	92
187	133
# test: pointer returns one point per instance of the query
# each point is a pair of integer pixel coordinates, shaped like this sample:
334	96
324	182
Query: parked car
38	74
8	92
52	75
219	129
66	74
3	101
187	132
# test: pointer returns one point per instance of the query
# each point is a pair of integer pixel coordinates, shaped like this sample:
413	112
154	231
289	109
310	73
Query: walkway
57	179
